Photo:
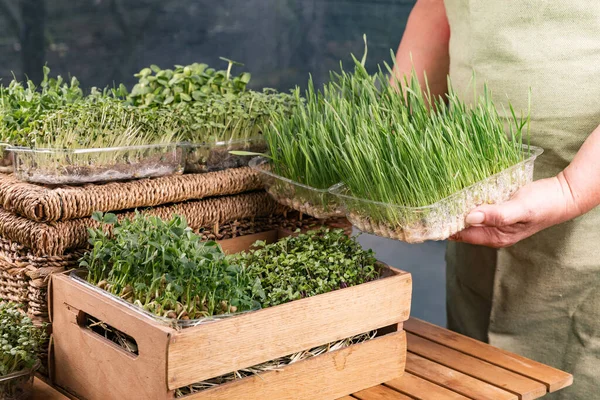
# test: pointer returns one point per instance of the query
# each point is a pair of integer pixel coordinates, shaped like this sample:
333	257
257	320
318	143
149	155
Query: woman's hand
534	207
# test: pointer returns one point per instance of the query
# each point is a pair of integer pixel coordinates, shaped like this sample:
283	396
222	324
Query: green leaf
98	216
197	95
109	218
245	77
145	72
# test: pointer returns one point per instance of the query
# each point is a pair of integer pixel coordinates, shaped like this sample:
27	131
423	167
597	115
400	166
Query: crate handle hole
108	332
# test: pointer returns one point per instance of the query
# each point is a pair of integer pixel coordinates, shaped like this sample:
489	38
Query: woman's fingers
505	214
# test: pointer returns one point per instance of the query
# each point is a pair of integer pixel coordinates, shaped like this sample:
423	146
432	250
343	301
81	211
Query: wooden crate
92	367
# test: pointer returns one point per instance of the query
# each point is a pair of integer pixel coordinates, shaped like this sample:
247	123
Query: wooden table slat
380	393
454	380
42	391
554	379
422	389
525	388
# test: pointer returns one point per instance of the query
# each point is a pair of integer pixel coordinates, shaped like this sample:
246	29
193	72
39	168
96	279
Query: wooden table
442	365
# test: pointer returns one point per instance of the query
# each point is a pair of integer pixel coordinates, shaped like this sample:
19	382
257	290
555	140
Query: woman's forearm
424	46
541	204
581	179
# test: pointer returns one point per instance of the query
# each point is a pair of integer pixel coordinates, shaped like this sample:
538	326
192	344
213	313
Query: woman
526	275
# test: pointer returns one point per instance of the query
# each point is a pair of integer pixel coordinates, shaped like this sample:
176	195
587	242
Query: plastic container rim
21	373
339	188
257	161
21	149
222	142
156	318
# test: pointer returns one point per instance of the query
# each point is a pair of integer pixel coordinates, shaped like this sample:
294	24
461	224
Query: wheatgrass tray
442	219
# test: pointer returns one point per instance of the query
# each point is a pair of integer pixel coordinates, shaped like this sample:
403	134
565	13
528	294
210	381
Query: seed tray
61	167
440	220
18	385
317	203
216	156
6	159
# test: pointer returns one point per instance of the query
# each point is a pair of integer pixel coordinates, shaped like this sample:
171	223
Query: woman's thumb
504	214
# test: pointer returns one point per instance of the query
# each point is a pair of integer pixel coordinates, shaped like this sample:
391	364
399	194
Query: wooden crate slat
243	243
525	388
380	393
454	380
210	350
422	389
338	373
554	379
77	349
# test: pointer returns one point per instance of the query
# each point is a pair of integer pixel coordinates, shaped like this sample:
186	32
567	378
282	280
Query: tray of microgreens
414	174
398	162
20	342
188	118
21	104
220	113
166	272
99	139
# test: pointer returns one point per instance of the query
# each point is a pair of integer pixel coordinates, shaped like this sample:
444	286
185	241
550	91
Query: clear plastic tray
6	159
317	203
440	220
208	157
18	385
79	276
59	167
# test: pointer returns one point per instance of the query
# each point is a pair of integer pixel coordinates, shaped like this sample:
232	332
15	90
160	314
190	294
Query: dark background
103	42
280	41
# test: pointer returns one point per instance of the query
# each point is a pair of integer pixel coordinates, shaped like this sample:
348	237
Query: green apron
541	297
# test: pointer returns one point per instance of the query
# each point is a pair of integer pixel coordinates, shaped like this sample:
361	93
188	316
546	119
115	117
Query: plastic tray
58	167
18	385
6	159
79	276
442	219
318	203
208	157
